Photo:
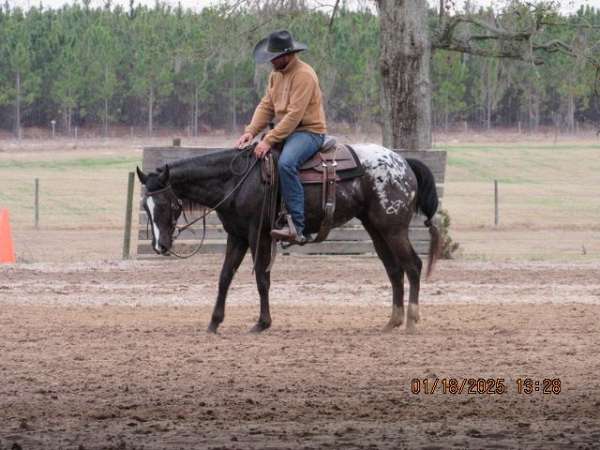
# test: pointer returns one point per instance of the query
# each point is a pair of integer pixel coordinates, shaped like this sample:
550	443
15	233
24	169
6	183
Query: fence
65	218
348	239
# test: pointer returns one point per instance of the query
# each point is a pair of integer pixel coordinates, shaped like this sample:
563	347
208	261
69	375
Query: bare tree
406	46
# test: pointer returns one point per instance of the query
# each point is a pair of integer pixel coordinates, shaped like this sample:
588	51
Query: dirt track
114	355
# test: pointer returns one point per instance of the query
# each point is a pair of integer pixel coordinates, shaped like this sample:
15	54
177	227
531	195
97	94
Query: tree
67	71
152	58
449	78
405	49
406	45
143	64
191	67
21	83
100	60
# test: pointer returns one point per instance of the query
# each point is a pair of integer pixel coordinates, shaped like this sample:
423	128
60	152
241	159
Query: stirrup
300	240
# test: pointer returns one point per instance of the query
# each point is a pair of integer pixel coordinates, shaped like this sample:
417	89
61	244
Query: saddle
341	157
333	162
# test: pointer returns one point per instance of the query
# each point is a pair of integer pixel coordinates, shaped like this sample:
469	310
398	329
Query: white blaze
151	207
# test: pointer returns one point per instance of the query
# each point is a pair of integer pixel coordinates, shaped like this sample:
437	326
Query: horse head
162	206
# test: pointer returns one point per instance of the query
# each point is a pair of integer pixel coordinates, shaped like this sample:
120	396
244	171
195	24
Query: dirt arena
99	353
103	355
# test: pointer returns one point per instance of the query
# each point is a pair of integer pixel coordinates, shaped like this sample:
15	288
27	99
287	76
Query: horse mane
197	165
203	166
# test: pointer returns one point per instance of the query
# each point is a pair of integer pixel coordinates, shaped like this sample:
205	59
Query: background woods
114	67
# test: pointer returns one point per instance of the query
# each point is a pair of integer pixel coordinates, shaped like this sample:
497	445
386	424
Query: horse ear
164	175
141	175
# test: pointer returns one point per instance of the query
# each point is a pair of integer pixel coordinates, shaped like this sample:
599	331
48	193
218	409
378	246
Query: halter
176	202
173	198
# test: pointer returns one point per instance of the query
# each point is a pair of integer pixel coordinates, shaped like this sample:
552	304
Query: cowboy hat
276	44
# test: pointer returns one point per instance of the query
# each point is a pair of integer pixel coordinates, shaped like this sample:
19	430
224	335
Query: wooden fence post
496	212
36	204
128	212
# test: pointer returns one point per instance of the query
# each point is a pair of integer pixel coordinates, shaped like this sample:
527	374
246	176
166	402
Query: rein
169	189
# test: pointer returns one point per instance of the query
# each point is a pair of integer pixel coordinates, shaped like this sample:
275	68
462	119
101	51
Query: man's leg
298	148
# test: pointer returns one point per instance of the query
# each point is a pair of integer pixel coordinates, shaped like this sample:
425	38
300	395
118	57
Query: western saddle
332	162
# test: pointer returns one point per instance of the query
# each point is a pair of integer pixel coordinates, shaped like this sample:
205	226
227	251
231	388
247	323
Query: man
293	99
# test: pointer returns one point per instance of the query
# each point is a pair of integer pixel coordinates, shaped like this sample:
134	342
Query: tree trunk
106	117
195	113
150	111
489	92
233	111
530	118
533	108
105	103
404	63
18	106
67	119
488	110
536	110
571	113
446	114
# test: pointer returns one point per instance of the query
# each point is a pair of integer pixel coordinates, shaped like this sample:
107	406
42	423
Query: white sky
567	6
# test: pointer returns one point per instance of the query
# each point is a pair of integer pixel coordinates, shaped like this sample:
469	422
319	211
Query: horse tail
427	204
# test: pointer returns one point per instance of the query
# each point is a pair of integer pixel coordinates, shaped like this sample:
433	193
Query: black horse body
384	199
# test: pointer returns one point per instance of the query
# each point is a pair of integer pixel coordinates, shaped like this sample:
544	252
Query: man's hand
262	149
244	140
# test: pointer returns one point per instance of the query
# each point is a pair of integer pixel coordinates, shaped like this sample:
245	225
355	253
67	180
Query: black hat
278	43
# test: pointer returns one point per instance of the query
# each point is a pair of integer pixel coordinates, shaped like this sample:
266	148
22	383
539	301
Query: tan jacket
294	99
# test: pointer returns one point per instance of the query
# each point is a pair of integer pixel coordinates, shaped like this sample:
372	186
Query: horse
385	198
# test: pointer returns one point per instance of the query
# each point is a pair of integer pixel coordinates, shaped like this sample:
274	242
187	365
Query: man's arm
263	113
302	92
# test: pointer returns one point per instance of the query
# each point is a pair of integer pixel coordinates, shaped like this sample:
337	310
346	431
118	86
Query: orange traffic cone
7	250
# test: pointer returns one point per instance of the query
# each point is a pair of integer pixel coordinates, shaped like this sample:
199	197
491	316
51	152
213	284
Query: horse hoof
390	327
212	328
396	319
259	327
413	313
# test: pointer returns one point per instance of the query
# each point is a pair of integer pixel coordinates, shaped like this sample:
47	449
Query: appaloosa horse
384	199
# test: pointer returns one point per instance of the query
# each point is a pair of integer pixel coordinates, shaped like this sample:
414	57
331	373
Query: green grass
75	191
69	164
524	163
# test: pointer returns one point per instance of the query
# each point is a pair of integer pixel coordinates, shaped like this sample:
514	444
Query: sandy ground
113	354
98	353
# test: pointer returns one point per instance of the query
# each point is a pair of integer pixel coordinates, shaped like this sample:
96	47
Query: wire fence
71	218
83	217
65	202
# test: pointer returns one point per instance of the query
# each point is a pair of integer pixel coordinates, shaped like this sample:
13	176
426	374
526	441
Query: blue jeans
297	149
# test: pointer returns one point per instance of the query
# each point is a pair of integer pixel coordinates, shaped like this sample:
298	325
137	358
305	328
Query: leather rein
168	189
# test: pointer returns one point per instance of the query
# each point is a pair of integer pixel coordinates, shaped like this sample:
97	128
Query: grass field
539	185
549	195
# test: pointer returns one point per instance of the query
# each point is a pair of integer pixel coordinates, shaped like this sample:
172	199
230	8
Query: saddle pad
348	165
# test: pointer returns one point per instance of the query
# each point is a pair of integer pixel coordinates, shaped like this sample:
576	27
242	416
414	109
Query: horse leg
407	258
263	280
234	254
395	274
414	278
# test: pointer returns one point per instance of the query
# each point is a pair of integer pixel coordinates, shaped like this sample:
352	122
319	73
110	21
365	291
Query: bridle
177	204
